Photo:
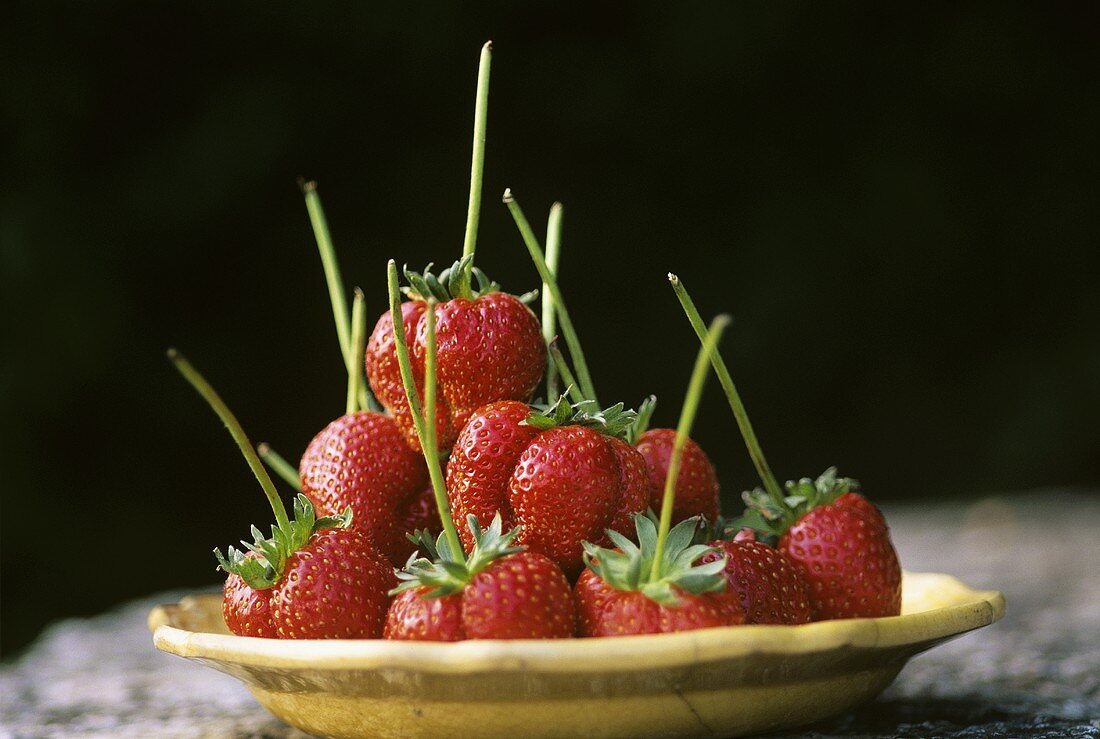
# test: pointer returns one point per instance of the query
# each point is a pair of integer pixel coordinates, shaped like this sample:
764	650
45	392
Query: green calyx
452	283
265	569
447	572
616	420
772	516
634	567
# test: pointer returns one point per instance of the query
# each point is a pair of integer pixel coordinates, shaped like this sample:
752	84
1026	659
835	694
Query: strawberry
772	590
617	595
490	348
246	610
838	540
498	592
313	577
335	587
659	585
360	461
561	475
697	483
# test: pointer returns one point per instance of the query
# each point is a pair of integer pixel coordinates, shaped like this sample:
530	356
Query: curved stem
236	431
358	340
549	322
477	164
279	466
683	428
738	408
551	284
352	362
425	424
558	361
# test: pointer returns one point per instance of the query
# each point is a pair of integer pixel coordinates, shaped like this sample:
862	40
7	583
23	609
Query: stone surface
1034	674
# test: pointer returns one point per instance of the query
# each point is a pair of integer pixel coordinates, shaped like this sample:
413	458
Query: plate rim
973	609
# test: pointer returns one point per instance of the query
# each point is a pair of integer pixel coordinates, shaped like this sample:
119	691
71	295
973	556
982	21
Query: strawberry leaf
447	573
630	567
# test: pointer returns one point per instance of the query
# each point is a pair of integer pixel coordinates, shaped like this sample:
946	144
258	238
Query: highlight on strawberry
496	590
490	344
659	585
834	536
312	578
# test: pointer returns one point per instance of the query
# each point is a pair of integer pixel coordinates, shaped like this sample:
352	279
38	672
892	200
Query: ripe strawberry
770	587
697	483
334	587
658	585
840	543
617	596
498	592
247	611
313	577
561	475
360	461
490	348
837	538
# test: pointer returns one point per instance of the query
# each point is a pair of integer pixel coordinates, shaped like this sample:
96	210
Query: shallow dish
728	681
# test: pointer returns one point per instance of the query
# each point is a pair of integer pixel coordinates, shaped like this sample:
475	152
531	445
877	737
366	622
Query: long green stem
423	418
358	340
549	319
551	285
207	391
687	417
279	466
738	408
352	362
332	269
558	362
477	163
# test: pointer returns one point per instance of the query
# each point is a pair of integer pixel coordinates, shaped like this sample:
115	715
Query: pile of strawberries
445	505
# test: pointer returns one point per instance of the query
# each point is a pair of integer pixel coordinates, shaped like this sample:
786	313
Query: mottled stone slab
1034	674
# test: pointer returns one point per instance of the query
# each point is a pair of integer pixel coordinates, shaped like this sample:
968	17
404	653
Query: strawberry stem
738	408
550	284
549	319
477	164
423	418
279	466
558	361
687	417
207	391
352	362
358	346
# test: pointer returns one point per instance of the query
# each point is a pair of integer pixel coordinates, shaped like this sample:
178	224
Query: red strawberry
335	587
247	611
697	483
498	592
770	587
559	481
360	461
490	348
384	375
840	543
659	585
616	596
312	578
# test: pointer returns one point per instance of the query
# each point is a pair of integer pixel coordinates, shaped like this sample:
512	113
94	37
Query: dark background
897	204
